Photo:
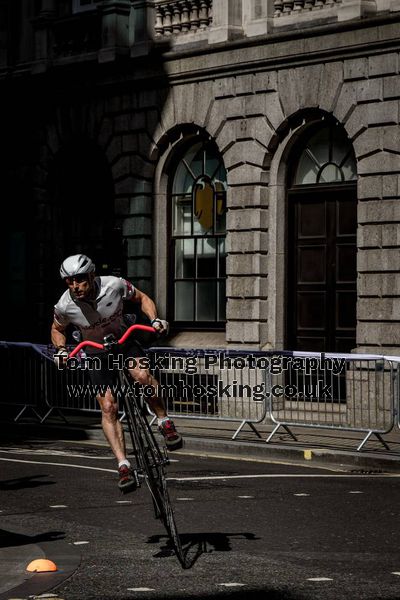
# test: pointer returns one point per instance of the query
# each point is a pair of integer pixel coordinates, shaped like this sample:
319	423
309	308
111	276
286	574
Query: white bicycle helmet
78	264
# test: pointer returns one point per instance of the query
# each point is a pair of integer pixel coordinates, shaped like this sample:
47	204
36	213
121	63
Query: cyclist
94	304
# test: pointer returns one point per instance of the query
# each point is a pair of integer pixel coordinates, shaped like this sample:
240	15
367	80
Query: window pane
206	258
221	258
328	147
221	301
206	300
349	169
340	145
184	259
182	215
183	180
307	171
184	306
203	206
319	146
212	164
220	198
195	159
330	174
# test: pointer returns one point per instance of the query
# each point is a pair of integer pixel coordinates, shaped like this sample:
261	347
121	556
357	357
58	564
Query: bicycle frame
150	461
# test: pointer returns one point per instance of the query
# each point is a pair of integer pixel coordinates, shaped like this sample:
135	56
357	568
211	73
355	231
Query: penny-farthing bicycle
150	459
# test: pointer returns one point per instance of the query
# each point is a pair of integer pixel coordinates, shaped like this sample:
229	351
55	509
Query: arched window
328	157
198	207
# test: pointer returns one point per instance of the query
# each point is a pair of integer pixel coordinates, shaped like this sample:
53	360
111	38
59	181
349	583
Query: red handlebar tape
122	339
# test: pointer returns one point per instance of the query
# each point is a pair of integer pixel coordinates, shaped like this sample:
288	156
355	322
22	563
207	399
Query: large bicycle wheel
151	462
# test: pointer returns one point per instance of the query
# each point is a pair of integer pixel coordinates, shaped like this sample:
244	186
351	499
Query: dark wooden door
322	271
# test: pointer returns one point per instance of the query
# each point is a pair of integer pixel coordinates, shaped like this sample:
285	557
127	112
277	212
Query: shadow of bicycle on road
196	544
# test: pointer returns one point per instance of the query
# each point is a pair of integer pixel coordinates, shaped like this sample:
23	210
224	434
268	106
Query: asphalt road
264	530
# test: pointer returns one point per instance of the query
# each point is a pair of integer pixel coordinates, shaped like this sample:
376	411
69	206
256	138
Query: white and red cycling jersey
101	315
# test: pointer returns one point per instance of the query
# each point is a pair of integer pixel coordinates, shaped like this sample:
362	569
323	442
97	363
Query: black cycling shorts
111	362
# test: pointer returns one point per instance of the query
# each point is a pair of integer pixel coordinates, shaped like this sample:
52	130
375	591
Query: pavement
316	447
212	437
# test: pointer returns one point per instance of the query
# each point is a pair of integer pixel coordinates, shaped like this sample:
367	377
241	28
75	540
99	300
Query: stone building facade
237	159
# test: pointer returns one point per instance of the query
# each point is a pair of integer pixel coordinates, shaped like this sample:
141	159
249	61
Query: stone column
42	36
356	9
114	29
256	14
227	21
142	26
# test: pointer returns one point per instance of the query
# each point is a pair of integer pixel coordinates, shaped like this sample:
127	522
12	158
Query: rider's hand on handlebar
60	358
160	326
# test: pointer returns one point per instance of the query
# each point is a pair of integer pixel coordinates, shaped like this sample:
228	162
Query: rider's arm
58	337
147	305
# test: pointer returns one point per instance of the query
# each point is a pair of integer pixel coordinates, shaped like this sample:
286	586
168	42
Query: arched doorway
322	247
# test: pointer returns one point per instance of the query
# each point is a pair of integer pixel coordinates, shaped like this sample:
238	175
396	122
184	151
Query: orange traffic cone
41	565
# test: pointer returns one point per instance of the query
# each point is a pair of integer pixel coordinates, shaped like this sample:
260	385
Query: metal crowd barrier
212	384
350	392
195	384
23	384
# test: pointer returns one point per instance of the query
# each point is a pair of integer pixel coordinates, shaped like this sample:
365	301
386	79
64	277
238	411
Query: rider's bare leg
144	377
111	425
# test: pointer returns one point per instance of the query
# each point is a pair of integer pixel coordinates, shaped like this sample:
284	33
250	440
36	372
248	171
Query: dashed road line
319	579
232	584
58	506
141	589
245	496
302	494
80	543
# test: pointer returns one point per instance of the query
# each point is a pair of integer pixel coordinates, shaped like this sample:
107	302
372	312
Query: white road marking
286	475
222	477
80	543
395	572
245	496
232	584
124	501
301	494
185	498
58	506
52	464
319	579
355	492
142	589
43	452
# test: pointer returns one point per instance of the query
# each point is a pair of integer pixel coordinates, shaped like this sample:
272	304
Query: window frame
172	238
302	147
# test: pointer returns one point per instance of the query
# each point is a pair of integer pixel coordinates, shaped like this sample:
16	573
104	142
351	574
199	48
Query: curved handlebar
121	340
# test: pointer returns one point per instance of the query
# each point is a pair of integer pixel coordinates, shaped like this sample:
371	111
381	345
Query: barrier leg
52	408
26	407
365	440
242	424
269	438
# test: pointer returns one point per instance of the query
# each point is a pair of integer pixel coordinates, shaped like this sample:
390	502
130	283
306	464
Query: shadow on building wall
78	175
